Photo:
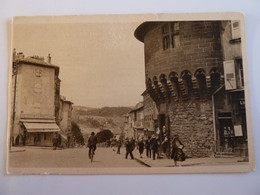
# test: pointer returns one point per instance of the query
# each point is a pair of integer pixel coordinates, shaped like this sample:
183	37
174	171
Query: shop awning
32	127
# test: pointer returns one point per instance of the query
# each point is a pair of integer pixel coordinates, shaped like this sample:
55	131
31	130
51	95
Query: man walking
129	148
154	146
148	147
141	147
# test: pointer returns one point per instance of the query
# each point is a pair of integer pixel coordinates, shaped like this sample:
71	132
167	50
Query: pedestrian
165	143
148	147
113	143
177	150
132	141
154	146
59	141
129	148
119	144
141	147
55	142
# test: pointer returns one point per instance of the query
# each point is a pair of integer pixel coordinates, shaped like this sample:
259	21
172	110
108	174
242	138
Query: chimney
49	59
20	55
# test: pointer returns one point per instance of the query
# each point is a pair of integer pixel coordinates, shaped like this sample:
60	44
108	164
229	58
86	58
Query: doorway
161	125
37	139
226	133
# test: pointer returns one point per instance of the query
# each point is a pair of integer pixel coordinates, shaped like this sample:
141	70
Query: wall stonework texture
193	122
200	47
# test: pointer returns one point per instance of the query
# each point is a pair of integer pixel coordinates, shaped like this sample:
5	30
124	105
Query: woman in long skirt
177	153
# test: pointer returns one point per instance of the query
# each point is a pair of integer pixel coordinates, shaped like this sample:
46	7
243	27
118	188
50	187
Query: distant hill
108	111
96	119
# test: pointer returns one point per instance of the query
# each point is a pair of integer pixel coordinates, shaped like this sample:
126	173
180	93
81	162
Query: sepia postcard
129	94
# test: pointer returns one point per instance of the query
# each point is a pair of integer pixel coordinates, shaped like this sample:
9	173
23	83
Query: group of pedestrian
151	145
116	144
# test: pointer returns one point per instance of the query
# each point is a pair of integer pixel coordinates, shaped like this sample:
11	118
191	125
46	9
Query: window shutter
230	75
235	28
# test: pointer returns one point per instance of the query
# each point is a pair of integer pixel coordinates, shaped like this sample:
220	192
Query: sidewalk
165	162
17	149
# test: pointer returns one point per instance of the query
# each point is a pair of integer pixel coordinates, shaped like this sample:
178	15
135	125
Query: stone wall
37	91
193	122
200	47
184	78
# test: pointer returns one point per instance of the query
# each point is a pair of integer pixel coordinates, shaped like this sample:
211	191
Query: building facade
65	119
127	129
229	101
35	89
135	121
150	114
184	73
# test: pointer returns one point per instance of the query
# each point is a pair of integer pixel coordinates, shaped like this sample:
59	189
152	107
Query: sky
101	63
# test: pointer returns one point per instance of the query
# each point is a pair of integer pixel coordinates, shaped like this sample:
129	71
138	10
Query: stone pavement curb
142	162
165	162
17	150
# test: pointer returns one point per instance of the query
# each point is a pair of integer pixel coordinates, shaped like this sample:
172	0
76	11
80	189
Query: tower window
175	26
165	29
171	37
166	42
175	40
235	29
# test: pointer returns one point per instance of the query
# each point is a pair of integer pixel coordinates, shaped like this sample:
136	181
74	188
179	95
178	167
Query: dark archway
158	90
148	83
174	78
187	82
167	93
200	75
214	78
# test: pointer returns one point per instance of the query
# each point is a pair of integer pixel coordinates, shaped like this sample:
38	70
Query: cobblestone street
39	157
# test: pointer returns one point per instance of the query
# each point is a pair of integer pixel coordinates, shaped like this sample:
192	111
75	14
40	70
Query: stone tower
183	68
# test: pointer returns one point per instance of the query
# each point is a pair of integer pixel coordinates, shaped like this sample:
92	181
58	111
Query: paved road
34	157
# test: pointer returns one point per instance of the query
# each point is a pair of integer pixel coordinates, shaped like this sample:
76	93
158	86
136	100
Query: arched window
155	81
200	75
148	83
158	89
163	80
215	78
173	76
186	77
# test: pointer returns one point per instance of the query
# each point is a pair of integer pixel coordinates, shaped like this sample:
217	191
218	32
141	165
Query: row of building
194	86
38	112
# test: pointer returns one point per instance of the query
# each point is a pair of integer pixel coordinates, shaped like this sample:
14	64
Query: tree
77	133
104	135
